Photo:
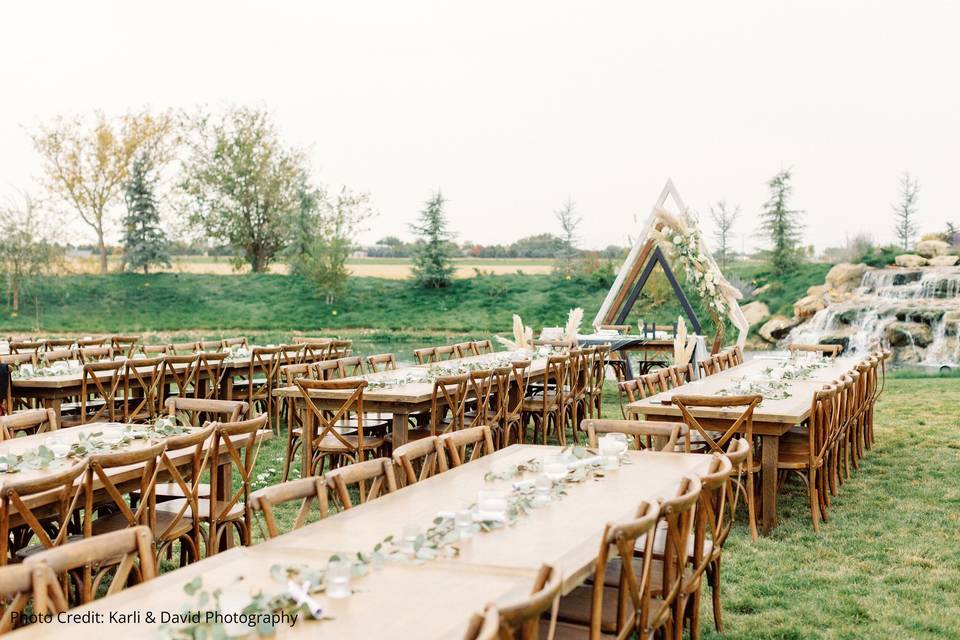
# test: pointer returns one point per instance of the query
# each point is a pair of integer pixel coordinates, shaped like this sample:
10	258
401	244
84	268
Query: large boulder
903	334
807	306
845	276
944	261
931	248
776	328
911	261
755	311
818	290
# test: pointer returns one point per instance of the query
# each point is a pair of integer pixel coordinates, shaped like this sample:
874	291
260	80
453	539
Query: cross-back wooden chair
98	394
261	378
724	359
743	424
328	435
546	408
647	434
208	345
479	395
740	454
314	349
677	375
326	369
28	584
382	362
288	374
25	346
419	460
612	608
736	355
181	374
425	355
652	383
828	350
8	402
184	348
228	506
227	343
292	353
142	389
58	344
127	554
125	345
183	525
708	367
30	421
485	626
340	348
628	391
447	403
94	354
482	346
465	349
21	523
520	619
596	379
92	341
49	357
580	379
196	411
157	350
349	367
513	398
370	479
445	352
468	444
211	369
307	490
499	404
121	515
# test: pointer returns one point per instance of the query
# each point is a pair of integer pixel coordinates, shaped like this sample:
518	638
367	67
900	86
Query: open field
886	565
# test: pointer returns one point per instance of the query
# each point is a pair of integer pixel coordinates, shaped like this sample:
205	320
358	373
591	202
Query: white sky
510	107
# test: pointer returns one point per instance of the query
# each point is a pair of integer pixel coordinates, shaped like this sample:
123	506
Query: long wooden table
771	420
401	401
434	599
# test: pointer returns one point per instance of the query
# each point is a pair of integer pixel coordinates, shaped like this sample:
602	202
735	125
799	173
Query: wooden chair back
239	442
465	349
157	350
349	367
308	490
314	349
370	479
98	391
447	398
189	482
57	344
652	383
628	391
520	620
227	343
49	357
828	350
142	388
484	627
127	553
94	354
197	411
340	348
184	348
263	373
500	400
22	585
326	422
209	345
419	460
743	424
98	467
292	353
211	369
556	376
447	352
25	346
16	496
479	392
381	362
181	373
30	421
425	355
17	359
125	345
647	434
712	521
482	346
467	445
326	369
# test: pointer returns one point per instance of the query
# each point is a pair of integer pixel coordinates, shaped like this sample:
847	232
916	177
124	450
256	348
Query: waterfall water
925	302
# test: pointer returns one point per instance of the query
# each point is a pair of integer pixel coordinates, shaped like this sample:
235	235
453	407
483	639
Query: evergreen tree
304	224
432	265
781	225
724	220
144	244
905	212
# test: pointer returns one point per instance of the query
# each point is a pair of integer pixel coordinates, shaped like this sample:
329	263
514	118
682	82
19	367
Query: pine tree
432	265
724	220
905	212
144	244
781	225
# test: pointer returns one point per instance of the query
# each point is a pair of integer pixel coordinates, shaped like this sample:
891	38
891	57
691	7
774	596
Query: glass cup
610	453
555	467
492	501
408	538
59	446
338	578
543	490
112	435
463	522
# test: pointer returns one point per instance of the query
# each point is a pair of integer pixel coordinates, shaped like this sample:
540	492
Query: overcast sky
511	107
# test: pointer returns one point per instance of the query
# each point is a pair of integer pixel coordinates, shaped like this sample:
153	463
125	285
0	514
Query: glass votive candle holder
610	453
555	467
542	490
463	523
58	446
338	578
492	501
408	538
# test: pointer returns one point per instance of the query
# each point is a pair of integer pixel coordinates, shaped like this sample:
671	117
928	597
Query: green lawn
886	565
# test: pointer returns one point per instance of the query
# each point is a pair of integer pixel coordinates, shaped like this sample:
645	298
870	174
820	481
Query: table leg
224	493
54	403
307	436
770	446
399	428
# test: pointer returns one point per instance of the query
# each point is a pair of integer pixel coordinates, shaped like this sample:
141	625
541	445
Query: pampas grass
682	345
572	330
522	336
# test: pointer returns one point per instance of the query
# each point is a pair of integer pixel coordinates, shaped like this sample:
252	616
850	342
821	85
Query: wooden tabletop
417	392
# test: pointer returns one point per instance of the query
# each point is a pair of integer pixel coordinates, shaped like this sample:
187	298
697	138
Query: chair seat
34	549
536	402
163	519
332	444
203	509
173	490
72	407
575	610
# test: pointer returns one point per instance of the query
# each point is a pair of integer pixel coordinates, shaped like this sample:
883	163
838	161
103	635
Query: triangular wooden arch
638	266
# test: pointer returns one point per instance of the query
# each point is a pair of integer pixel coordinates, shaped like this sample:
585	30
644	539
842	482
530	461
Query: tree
304	224
723	220
144	243
569	221
26	247
905	211
950	233
781	225
432	266
245	184
86	167
338	221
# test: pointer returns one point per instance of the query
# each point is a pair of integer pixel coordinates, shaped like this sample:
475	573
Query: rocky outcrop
931	248
905	334
777	328
910	260
755	311
944	261
845	277
807	306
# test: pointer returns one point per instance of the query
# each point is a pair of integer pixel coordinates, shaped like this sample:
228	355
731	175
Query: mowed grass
886	565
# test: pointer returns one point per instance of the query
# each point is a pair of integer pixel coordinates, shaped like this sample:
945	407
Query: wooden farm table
434	599
401	400
626	344
771	420
565	533
125	478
